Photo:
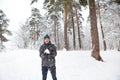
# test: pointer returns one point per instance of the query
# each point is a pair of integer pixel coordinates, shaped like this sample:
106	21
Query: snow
24	64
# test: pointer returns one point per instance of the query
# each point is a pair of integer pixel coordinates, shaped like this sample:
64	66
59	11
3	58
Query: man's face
47	40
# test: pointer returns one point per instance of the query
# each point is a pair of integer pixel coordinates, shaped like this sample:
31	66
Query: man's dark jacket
48	59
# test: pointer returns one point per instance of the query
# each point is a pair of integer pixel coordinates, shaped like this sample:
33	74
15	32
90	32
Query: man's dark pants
52	71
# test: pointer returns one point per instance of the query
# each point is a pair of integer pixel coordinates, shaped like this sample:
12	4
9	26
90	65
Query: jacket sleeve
41	52
53	51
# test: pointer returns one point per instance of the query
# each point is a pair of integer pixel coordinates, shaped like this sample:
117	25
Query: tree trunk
58	45
0	34
74	42
79	39
36	32
94	31
119	46
104	42
1	39
55	22
65	28
33	32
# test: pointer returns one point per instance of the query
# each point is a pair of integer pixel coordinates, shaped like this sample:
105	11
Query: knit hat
46	36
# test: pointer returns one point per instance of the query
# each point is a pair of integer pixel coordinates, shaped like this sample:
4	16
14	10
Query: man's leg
44	72
53	72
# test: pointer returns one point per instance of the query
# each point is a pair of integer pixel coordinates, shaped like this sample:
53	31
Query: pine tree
3	28
34	21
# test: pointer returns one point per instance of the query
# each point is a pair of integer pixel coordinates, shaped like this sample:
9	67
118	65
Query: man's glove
47	51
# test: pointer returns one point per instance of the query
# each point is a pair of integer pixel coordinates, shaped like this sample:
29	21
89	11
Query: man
47	54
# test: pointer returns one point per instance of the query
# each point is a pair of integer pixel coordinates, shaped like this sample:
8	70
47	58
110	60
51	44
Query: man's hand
46	51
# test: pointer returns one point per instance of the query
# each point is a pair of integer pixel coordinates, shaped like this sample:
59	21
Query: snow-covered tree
32	31
34	21
110	17
22	37
3	28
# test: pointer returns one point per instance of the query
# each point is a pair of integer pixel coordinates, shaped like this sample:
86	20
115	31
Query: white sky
18	11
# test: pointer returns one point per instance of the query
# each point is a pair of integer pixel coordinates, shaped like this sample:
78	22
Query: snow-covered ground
71	65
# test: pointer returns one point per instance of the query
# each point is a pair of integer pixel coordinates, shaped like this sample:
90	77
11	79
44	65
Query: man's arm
53	50
41	52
